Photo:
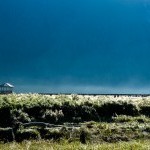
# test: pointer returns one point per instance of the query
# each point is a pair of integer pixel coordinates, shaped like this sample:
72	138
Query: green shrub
20	116
7	134
124	118
27	134
6	118
90	124
113	108
53	116
69	112
35	112
88	113
145	110
121	118
53	134
115	138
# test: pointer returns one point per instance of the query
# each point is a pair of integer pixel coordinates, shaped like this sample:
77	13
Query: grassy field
59	109
64	145
105	121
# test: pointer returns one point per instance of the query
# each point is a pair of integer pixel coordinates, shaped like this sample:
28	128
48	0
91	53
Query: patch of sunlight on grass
64	145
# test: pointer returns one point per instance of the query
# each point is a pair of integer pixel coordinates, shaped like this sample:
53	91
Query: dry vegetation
102	119
68	108
64	145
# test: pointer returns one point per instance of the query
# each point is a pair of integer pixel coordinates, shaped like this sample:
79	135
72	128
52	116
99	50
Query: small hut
6	88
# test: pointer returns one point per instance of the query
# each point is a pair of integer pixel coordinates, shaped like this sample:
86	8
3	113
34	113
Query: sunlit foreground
64	145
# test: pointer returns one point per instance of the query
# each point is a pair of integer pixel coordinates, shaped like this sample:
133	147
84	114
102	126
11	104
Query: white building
6	88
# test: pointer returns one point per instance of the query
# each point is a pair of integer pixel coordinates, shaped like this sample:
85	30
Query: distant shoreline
93	94
84	94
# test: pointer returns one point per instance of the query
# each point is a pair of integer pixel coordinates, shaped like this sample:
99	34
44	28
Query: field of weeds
59	109
64	145
75	119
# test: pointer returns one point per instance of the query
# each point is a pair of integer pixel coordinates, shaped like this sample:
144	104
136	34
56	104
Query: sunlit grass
104	119
64	145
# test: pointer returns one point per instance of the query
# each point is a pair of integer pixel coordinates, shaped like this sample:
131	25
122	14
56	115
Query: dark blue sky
75	45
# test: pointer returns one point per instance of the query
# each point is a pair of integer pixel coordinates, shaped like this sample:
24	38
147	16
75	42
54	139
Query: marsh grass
68	108
64	145
103	118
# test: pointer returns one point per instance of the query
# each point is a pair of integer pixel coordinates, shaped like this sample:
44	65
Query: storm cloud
76	43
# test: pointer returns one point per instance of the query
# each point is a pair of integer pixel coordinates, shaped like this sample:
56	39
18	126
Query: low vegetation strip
98	118
59	109
64	145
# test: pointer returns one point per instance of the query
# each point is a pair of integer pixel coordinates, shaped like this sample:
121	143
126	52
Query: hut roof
6	85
